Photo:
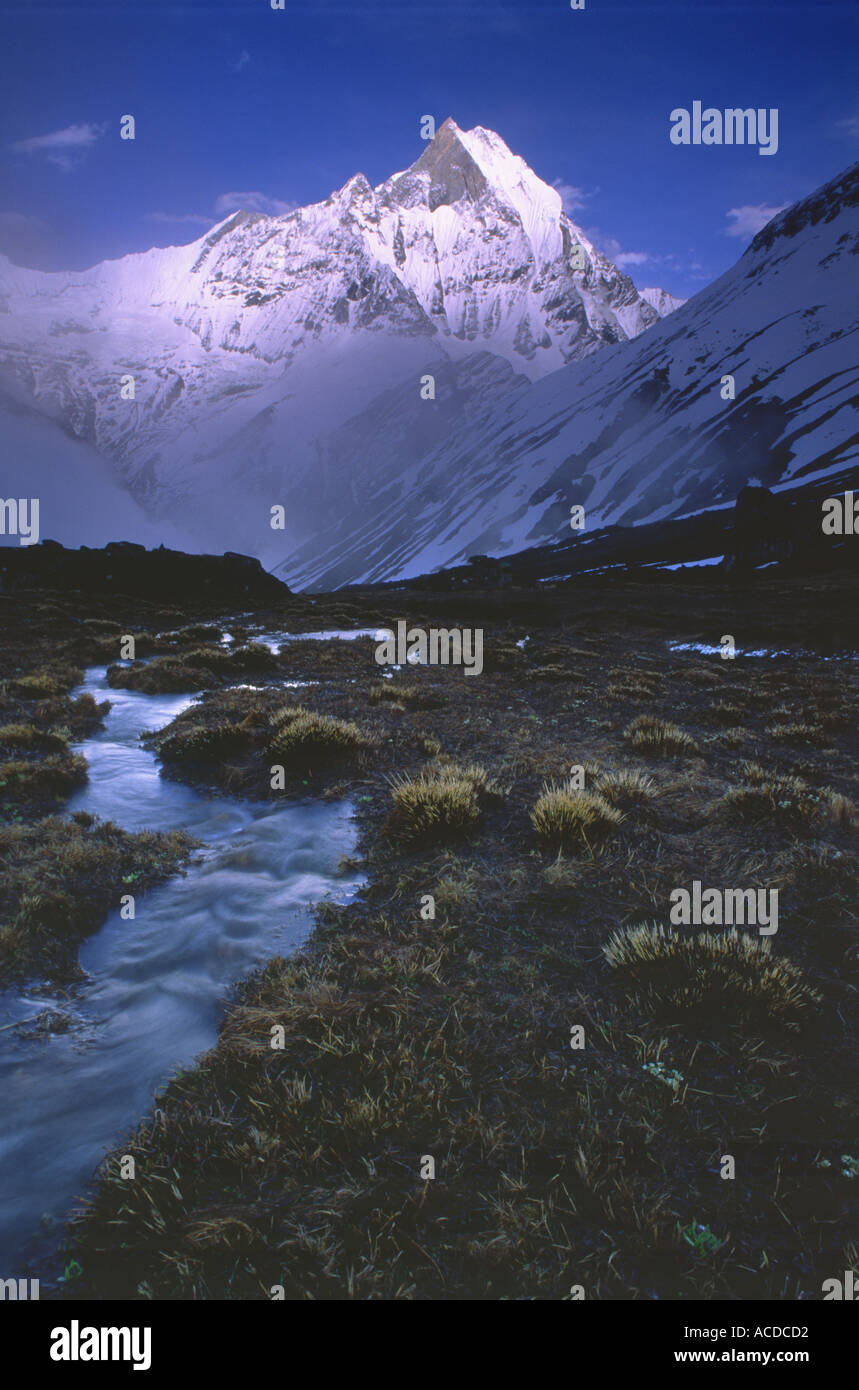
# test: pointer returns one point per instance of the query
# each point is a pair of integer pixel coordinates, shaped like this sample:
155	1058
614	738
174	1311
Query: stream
155	985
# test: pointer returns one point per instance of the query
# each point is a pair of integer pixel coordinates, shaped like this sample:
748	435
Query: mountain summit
756	377
207	376
492	257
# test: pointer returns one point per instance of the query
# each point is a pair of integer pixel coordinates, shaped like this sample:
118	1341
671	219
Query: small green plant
700	1239
672	1079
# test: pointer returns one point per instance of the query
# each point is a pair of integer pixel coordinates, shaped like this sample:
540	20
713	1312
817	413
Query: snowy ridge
251	342
279	361
641	431
663	302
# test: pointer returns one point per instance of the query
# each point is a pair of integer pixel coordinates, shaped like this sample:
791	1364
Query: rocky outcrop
125	568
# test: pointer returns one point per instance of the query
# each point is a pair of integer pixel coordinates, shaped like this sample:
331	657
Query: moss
28	736
208	658
52	778
253	656
204	743
190	670
163	676
42	684
195	632
59	880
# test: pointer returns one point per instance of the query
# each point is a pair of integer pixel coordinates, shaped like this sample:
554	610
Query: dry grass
728	977
772	796
301	736
647	734
565	816
627	789
441	803
408	695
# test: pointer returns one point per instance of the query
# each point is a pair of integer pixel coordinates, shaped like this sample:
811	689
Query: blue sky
237	104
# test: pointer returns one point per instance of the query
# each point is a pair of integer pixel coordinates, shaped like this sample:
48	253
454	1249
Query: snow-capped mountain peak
661	300
183	365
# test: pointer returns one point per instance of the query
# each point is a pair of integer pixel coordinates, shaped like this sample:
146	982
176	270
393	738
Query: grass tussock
168	675
177	672
408	695
797	731
627	789
647	734
81	716
773	796
565	816
440	803
727	713
302	736
206	743
727	977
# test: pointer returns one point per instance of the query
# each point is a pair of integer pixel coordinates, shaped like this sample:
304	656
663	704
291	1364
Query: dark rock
123	567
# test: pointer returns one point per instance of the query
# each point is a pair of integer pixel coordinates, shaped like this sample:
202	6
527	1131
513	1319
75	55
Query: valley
407	1033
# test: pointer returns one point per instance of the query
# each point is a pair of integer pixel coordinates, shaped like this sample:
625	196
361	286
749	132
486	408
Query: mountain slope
245	346
660	300
640	431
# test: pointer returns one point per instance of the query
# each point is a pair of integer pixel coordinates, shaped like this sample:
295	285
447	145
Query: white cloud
242	60
749	219
251	202
613	250
632	258
608	245
65	147
223	206
573	198
850	127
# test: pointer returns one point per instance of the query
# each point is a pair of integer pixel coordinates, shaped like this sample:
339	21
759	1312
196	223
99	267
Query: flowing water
155	985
